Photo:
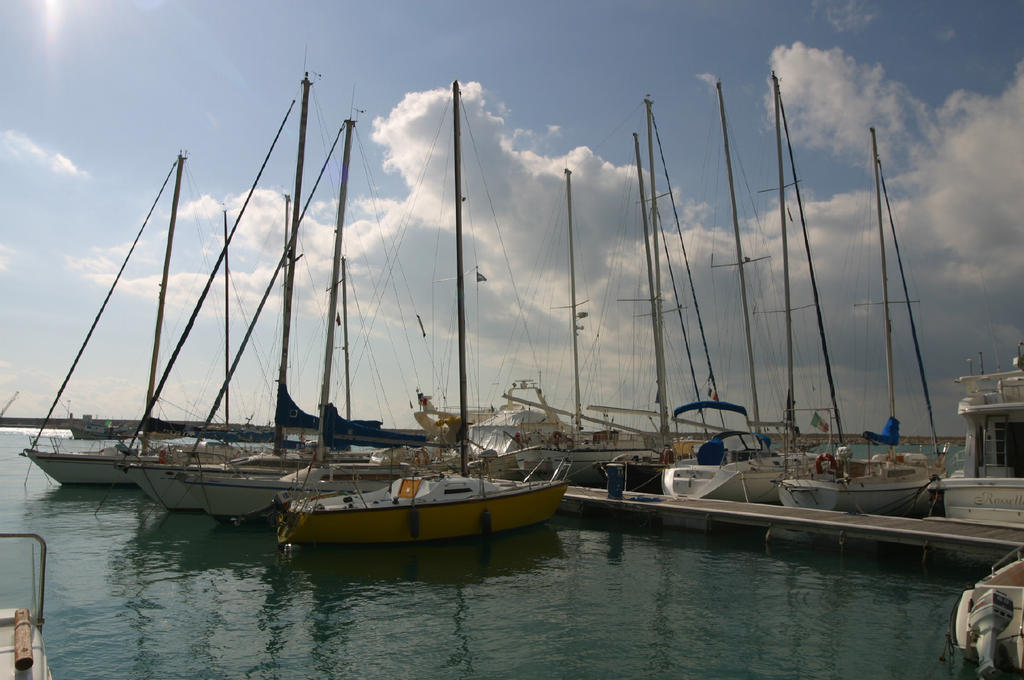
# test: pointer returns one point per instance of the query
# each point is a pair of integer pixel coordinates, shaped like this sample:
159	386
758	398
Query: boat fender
22	640
414	522
485	522
822	459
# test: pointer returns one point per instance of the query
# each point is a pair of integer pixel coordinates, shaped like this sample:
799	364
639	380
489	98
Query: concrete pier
704	515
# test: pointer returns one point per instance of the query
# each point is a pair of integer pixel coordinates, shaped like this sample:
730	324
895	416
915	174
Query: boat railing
1012	556
38	613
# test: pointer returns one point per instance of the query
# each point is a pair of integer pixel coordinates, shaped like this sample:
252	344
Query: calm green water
135	593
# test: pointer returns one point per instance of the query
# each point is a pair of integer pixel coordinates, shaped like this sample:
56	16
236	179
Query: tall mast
227	325
790	397
289	280
578	413
663	426
332	307
810	271
739	263
460	284
659	347
344	330
161	299
885	279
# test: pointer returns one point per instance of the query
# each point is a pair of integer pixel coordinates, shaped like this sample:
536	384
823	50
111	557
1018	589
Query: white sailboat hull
733	482
100	467
165	485
868	495
237	498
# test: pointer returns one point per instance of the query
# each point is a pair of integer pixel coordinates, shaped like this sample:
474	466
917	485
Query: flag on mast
819	422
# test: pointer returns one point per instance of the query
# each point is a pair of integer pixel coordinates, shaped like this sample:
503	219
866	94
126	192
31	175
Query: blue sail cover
288	414
338	432
890	433
342	433
718	405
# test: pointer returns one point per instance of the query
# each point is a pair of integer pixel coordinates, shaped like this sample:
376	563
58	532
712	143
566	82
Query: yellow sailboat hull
426	521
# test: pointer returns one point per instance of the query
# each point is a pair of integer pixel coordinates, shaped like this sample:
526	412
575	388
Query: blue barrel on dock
616	479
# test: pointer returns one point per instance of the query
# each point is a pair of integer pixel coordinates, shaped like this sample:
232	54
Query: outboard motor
991	613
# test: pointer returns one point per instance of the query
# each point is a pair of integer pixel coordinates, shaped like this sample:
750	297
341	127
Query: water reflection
454	562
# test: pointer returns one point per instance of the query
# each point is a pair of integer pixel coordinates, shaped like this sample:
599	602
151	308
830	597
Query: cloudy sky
102	95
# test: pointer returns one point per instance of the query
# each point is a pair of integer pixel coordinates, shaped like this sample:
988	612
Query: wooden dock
703	515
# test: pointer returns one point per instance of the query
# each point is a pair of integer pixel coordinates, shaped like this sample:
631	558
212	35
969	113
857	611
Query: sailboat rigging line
289	248
689	274
501	240
103	306
390	253
814	280
910	313
209	282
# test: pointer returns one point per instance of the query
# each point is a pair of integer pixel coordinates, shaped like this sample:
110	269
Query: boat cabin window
1004	446
995	444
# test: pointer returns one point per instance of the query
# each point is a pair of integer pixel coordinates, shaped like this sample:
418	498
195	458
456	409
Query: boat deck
703	515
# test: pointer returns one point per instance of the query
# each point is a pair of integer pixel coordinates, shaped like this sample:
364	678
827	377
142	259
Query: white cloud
835	100
846	15
5	257
708	79
20	147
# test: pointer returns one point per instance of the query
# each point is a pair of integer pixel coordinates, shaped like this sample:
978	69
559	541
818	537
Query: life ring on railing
162	458
822	459
519	438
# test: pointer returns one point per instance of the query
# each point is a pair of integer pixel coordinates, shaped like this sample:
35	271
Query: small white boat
732	466
986	622
22	654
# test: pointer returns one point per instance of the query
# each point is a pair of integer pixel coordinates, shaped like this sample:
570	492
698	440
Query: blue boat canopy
890	433
339	432
719	405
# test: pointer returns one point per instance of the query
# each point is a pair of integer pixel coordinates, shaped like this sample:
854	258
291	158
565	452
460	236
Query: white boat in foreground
990	488
986	622
22	655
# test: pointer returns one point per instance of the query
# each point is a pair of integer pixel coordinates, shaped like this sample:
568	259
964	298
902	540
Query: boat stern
986	624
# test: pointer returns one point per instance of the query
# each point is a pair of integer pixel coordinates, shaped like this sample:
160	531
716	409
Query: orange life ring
822	459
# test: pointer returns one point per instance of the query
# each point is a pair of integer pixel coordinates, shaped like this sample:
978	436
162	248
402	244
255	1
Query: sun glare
54	12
